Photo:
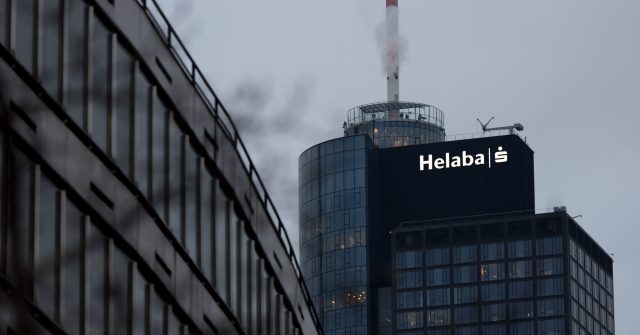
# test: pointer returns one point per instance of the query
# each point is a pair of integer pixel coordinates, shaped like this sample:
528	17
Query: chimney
393	49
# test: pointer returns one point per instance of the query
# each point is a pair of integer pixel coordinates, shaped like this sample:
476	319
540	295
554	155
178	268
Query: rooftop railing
394	111
222	117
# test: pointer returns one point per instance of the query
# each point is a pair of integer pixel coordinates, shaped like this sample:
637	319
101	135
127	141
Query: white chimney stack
393	50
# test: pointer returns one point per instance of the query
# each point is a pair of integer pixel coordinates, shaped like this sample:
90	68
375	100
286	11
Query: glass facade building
503	275
405	232
128	202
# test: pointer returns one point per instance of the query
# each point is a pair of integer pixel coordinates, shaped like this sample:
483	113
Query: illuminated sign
463	160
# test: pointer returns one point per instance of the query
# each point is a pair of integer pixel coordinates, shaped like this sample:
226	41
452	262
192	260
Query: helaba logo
463	160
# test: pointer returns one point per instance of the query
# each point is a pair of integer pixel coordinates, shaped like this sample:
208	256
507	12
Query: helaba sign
463	160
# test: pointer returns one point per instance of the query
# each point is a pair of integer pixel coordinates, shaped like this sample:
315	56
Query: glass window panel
473	330
142	133
493	271
438	317
409	279
71	253
493	312
550	286
51	13
436	277
518	249
465	274
96	248
550	266
551	246
119	292
156	314
160	117
100	57
465	315
552	326
46	237
550	307
522	328
208	237
464	254
494	330
3	21
222	243
521	310
437	257
124	78
520	289
491	251
493	292
411	299
465	294
437	297
25	24
175	179
76	61
520	269
139	305
191	201
410	320
23	178
3	186
409	259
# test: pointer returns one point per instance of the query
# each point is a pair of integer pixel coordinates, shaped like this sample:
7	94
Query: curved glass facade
333	231
398	133
127	202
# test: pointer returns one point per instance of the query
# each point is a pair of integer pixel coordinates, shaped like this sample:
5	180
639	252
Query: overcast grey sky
568	70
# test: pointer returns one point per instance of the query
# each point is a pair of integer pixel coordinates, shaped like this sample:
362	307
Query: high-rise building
406	232
128	202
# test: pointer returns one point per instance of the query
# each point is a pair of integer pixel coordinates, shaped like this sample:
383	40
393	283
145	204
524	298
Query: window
520	289
120	292
494	330
99	92
3	21
473	330
25	24
550	266
522	328
551	327
493	312
23	178
221	228
409	279
139	304
520	269
175	176
437	257
208	222
71	254
521	310
191	198
51	13
465	315
465	294
410	320
493	292
159	120
142	132
123	114
519	249
409	259
47	236
437	297
436	277
491	251
464	254
75	66
438	317
465	274
411	299
550	286
3	186
494	271
550	246
550	307
96	249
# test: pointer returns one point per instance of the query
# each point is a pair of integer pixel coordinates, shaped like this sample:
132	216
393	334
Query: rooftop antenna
512	129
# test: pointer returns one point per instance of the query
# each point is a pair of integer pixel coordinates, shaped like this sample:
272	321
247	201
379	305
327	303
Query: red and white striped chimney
393	50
